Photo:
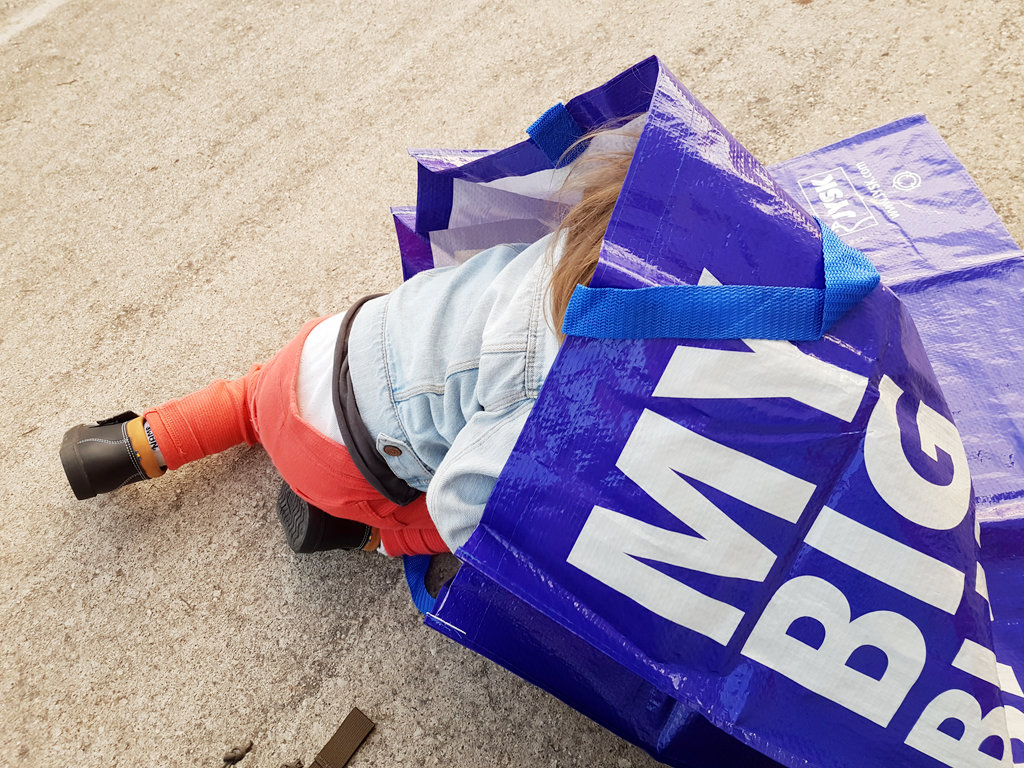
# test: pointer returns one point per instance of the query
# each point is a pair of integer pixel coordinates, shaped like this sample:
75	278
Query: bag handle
727	311
416	577
554	132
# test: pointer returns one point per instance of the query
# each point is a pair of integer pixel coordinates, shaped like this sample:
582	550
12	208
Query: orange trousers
262	407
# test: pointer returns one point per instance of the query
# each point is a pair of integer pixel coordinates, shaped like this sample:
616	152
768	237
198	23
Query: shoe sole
310	529
74	467
300	528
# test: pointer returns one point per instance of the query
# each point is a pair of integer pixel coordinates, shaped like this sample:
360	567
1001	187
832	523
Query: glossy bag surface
779	539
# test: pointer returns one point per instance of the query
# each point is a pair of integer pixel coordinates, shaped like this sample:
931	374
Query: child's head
595	179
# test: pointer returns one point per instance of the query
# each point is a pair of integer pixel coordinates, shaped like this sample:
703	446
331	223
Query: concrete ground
184	183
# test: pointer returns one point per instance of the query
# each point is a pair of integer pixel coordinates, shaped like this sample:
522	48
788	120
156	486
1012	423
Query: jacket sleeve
458	492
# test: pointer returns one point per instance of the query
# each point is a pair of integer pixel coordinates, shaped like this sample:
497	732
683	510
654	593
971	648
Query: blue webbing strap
849	277
415	576
554	132
726	311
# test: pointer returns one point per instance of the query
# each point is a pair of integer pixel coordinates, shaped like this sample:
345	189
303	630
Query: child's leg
99	458
419	539
206	422
260	407
356	524
102	457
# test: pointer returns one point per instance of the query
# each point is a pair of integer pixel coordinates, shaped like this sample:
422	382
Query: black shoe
310	529
99	458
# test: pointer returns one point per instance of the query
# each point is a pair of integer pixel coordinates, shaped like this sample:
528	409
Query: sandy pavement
184	183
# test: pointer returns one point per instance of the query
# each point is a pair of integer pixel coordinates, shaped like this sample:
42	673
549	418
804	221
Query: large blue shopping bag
738	552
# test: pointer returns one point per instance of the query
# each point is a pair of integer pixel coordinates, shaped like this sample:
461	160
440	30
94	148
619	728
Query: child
423	390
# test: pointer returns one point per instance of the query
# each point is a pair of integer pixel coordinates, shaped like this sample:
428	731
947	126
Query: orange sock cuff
374	541
143	451
203	423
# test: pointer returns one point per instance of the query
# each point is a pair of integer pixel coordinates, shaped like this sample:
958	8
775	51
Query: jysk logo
834	200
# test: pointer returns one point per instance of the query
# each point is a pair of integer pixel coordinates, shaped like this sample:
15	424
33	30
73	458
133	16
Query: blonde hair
596	177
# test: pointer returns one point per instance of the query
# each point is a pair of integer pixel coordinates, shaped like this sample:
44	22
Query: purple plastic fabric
415	248
684	536
917	214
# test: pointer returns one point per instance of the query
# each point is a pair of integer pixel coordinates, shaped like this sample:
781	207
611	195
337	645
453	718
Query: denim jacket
446	370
